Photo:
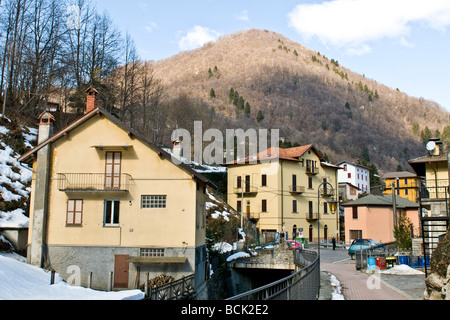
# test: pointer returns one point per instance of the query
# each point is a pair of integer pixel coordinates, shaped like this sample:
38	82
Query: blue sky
403	44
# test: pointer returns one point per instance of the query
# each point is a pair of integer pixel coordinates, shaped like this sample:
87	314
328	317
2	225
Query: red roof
275	153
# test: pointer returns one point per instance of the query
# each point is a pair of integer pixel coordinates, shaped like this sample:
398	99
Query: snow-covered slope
14	177
21	281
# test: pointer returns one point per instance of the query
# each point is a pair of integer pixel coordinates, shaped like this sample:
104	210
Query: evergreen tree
416	129
212	94
210	73
425	134
247	109
260	116
231	95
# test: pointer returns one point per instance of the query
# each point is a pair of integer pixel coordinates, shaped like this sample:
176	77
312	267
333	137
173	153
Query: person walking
334	243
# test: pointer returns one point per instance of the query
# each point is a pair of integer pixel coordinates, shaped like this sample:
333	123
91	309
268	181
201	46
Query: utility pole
394	204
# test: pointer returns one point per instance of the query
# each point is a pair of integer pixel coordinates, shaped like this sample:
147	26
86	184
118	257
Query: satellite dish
431	145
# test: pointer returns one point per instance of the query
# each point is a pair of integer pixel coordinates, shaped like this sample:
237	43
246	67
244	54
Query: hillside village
97	191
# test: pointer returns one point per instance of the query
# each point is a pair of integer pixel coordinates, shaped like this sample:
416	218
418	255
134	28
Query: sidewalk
358	285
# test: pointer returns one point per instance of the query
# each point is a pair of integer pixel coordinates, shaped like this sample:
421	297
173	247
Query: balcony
252	216
247	191
312	216
297	189
435	189
312	171
93	182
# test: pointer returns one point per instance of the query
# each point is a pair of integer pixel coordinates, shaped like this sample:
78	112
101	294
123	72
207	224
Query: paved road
357	285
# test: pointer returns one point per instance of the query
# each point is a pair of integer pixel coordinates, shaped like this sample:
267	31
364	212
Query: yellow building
109	208
406	185
280	192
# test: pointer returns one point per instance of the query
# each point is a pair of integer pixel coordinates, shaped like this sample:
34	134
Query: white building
356	175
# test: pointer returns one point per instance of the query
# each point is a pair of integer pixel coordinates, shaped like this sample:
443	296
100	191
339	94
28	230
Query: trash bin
391	262
403	260
381	263
371	263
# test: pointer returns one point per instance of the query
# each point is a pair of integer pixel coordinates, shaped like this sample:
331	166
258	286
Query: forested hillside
260	78
52	51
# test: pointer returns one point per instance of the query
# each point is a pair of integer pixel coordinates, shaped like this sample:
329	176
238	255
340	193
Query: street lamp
325	190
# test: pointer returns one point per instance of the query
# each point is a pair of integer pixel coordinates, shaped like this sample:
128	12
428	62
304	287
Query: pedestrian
334	243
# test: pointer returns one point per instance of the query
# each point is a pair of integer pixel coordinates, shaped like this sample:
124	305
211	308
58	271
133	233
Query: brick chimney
91	99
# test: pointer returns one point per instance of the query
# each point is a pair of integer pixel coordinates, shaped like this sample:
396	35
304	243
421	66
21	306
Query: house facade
372	217
355	174
279	192
112	206
406	185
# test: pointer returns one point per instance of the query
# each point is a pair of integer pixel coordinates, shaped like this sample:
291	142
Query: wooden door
112	170
121	271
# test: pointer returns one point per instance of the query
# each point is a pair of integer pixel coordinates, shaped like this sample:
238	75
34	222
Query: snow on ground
13	178
238	255
402	269
21	281
223	247
337	293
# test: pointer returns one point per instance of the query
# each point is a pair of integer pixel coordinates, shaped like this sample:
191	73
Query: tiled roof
401	174
374	200
275	153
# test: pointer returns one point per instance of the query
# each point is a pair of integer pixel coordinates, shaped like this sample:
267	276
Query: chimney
91	99
36	254
46	121
177	148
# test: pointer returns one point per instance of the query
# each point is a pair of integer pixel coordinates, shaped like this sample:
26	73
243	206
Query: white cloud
354	23
197	37
151	26
243	16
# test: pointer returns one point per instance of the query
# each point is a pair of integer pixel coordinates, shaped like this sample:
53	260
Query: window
310	208
345	167
349	175
74	212
325	208
239	206
153	202
294	206
151	252
264	180
263	205
310	183
112	170
355	212
239	182
111	215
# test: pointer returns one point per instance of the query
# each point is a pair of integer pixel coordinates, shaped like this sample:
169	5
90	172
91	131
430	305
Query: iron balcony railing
312	215
435	189
93	182
297	189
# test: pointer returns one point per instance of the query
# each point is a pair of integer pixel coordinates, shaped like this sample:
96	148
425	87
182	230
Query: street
358	285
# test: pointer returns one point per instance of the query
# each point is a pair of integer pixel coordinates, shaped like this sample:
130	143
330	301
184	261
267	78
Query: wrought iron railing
175	290
93	182
302	285
435	189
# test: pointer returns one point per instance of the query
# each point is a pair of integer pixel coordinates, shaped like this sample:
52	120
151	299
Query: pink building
371	217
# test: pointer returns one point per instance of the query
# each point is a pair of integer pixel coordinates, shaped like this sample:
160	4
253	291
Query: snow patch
238	255
21	281
402	269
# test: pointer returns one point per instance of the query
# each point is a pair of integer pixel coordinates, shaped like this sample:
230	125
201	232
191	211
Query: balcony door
112	170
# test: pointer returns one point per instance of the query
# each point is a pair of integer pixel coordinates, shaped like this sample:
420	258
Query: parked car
294	244
360	244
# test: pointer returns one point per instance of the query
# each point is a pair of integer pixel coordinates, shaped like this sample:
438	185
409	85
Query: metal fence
304	284
175	290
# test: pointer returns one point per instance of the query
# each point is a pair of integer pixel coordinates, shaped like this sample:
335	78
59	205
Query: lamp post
325	190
